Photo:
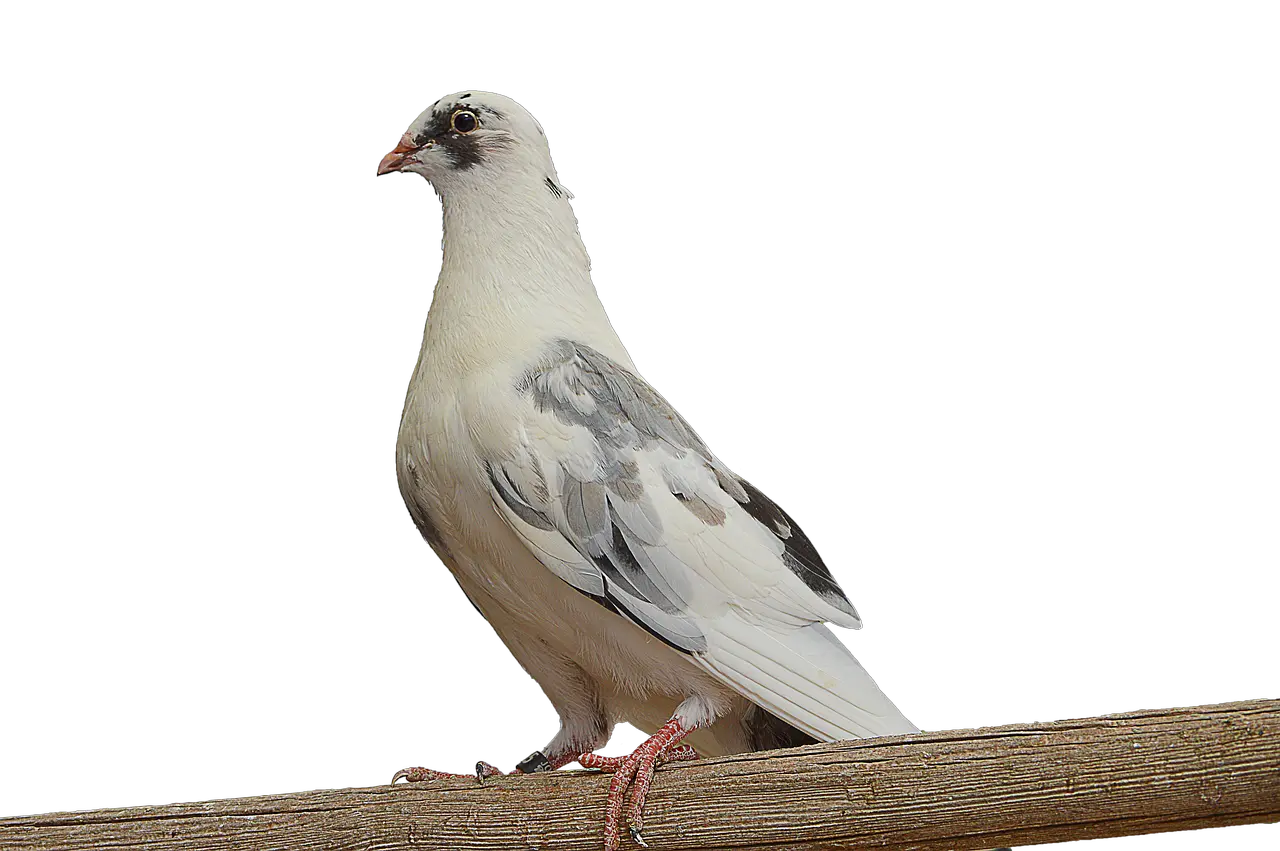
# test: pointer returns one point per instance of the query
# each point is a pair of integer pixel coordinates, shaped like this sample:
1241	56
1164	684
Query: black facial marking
433	129
464	97
555	190
464	151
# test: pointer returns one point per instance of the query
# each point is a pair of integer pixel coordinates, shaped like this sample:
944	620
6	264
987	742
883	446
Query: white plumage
631	573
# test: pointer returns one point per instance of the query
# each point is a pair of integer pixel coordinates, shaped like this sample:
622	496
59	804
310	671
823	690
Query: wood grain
1140	772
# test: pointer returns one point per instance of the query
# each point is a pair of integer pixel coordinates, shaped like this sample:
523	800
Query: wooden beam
1141	772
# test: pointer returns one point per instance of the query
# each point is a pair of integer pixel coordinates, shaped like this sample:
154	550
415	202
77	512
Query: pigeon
630	572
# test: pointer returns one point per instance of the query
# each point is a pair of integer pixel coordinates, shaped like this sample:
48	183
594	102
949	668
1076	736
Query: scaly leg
635	773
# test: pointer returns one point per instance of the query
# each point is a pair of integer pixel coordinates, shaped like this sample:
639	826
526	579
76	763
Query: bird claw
636	836
484	769
427	775
419	774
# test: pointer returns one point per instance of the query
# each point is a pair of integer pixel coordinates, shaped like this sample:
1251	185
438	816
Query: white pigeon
630	572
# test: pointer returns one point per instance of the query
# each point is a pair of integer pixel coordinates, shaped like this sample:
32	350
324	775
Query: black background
981	353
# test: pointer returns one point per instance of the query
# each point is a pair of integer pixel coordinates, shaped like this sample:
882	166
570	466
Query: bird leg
635	773
632	774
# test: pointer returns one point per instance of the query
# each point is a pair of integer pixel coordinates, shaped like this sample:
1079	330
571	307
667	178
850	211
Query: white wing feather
615	494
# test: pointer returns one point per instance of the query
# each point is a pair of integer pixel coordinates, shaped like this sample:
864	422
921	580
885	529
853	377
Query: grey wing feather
607	516
654	419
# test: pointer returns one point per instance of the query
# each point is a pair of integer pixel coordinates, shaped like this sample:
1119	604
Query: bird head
471	138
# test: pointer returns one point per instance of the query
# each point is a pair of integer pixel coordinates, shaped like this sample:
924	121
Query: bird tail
804	677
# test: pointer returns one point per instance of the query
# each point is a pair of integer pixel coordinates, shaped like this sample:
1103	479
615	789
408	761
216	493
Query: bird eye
463	121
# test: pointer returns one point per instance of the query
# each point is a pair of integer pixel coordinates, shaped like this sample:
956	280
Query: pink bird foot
635	773
419	774
531	764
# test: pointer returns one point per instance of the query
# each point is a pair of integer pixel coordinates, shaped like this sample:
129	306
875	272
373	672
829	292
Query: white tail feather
804	676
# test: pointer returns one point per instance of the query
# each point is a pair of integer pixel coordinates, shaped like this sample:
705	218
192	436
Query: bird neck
515	274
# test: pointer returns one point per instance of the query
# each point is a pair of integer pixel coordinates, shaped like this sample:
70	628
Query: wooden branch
1141	772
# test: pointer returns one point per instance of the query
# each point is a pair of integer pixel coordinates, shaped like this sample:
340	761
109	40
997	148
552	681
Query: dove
629	571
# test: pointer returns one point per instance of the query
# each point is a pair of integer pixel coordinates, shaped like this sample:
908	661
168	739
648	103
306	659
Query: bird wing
613	492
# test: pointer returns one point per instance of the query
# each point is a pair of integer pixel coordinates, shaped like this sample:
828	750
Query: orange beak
395	160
